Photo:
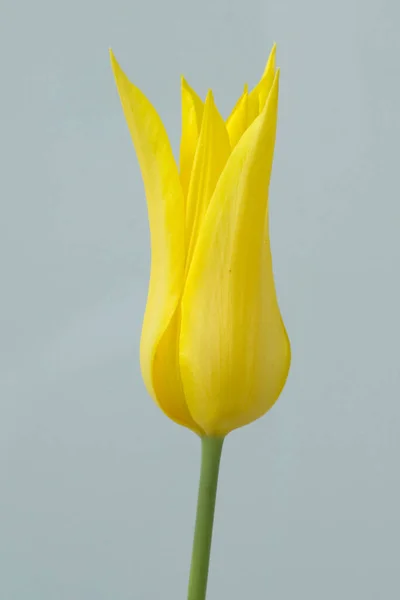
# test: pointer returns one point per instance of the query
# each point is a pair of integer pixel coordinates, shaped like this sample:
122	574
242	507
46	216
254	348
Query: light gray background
98	488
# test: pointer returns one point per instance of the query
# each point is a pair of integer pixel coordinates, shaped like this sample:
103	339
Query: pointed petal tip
112	55
271	60
114	63
188	88
209	98
273	54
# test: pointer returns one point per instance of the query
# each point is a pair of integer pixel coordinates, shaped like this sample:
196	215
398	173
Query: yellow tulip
214	350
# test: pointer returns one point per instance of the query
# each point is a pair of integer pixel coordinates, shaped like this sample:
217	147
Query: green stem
211	448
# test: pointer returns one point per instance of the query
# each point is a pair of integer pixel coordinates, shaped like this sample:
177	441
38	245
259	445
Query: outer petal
192	115
236	124
234	351
158	348
212	152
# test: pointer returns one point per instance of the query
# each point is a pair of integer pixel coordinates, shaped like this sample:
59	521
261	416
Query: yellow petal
192	115
260	92
158	346
236	123
270	62
212	152
267	78
234	351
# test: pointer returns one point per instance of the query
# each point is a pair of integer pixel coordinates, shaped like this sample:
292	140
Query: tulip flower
214	351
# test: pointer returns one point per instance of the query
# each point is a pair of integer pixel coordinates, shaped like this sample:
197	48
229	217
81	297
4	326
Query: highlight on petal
212	152
234	352
192	115
236	124
158	347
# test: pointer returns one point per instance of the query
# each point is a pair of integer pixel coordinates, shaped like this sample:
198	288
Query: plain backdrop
97	487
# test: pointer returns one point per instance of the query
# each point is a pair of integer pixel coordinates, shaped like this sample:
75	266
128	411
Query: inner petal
192	115
236	123
212	152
